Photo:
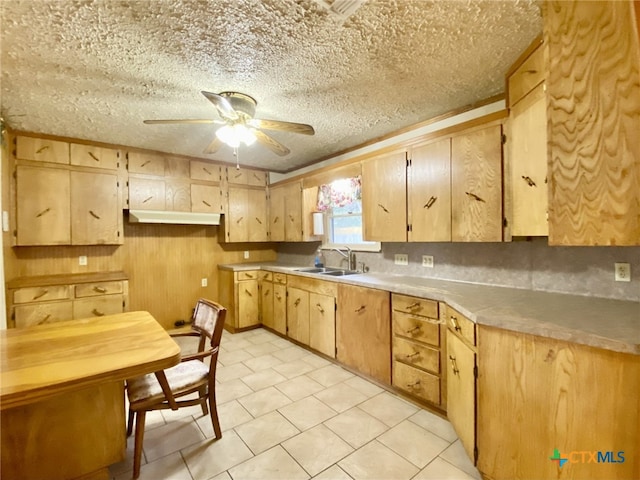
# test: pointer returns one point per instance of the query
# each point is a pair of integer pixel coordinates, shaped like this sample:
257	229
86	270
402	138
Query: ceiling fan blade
272	144
223	105
213	147
152	122
282	126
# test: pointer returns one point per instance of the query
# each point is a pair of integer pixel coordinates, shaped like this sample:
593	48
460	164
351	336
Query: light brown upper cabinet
384	203
429	192
246	219
95	214
285	212
94	157
245	176
42	150
593	105
476	185
146	163
526	146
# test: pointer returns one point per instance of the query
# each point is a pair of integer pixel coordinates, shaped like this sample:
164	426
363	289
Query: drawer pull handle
475	197
382	207
41	294
42	149
248	292
414	354
145	163
413	306
454	366
147	199
206	203
415	384
320	308
44	320
257	177
206	171
361	309
239	220
248	275
430	203
100	289
94	215
46	210
292	218
97	312
266	292
415	329
297	302
275	220
278	296
456	325
94	157
530	182
258	220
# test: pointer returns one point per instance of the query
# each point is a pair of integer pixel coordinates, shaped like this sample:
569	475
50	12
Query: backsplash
529	265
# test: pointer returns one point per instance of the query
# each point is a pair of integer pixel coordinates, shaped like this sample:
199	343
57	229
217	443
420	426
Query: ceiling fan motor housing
241	103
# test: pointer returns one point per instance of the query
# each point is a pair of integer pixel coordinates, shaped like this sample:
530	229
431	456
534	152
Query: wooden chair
162	389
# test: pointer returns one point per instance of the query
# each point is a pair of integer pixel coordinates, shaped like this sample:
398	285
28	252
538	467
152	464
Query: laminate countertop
598	322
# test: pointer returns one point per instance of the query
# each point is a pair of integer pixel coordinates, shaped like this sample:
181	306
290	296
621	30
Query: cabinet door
322	324
461	391
206	199
429	192
280	308
384	198
146	194
177	195
248	303
95	212
205	171
476	186
527	147
593	100
277	214
43	206
146	163
41	150
95	157
245	176
266	303
363	331
257	213
237	221
298	315
293	213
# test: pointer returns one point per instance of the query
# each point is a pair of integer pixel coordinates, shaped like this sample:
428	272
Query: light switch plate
401	259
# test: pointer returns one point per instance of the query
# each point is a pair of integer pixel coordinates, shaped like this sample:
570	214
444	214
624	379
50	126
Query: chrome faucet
350	255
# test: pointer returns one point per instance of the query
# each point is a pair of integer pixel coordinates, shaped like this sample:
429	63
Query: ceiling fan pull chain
235	154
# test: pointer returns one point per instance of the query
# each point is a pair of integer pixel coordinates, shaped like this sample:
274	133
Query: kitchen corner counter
598	322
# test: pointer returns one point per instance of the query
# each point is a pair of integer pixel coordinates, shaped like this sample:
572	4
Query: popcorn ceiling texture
94	69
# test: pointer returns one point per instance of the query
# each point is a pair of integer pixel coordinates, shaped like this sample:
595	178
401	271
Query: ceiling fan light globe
247	135
229	136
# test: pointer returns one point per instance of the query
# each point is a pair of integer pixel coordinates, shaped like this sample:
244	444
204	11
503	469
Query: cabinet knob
475	197
42	293
46	210
454	366
383	208
266	292
44	320
100	289
320	308
360	309
42	149
413	330
94	214
430	202
248	292
456	325
297	302
97	312
530	182
91	154
415	384
411	355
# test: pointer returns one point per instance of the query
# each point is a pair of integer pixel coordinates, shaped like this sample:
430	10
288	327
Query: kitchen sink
339	273
318	270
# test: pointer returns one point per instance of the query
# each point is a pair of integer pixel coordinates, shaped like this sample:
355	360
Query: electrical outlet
427	261
401	259
82	260
204	282
246	254
623	272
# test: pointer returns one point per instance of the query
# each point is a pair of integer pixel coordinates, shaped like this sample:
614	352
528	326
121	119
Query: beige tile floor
289	414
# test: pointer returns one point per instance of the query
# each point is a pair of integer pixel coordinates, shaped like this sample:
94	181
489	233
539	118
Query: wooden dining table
62	407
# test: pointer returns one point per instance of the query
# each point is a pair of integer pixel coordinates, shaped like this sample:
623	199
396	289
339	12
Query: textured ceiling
95	69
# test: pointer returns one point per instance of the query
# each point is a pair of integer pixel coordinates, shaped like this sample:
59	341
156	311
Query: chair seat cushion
179	377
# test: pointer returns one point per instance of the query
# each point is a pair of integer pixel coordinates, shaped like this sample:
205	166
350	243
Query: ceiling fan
237	110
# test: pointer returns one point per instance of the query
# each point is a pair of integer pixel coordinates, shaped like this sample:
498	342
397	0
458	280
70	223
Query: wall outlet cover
204	282
82	260
622	272
427	261
246	254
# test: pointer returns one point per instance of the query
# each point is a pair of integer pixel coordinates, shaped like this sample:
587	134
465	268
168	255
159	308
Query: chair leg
214	414
137	451
203	393
130	423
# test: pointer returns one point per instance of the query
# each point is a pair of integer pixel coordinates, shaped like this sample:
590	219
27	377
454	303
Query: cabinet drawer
200	170
280	278
95	289
416	382
41	313
39	149
461	325
416	328
527	76
416	354
252	275
266	276
98	306
41	294
416	306
96	157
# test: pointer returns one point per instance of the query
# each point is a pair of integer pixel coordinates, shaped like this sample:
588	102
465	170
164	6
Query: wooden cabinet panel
266	303
384	204
593	100
293	212
95	212
363	331
31	314
429	192
245	176
146	194
415	306
96	289
417	382
416	354
43	206
416	328
95	157
280	308
177	195
146	163
277	214
461	392
322	324
177	167
527	154
257	213
246	220
97	306
248	303
206	199
476	186
42	150
41	294
298	315
200	170
526	77
460	324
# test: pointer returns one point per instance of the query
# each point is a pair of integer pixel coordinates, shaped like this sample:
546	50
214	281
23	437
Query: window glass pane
354	207
347	229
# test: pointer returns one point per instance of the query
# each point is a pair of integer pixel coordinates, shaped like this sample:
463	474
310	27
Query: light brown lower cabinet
538	396
238	292
363	331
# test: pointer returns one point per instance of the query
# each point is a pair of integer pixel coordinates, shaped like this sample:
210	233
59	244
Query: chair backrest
208	320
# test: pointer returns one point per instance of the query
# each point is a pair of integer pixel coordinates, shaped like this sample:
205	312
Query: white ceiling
94	69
